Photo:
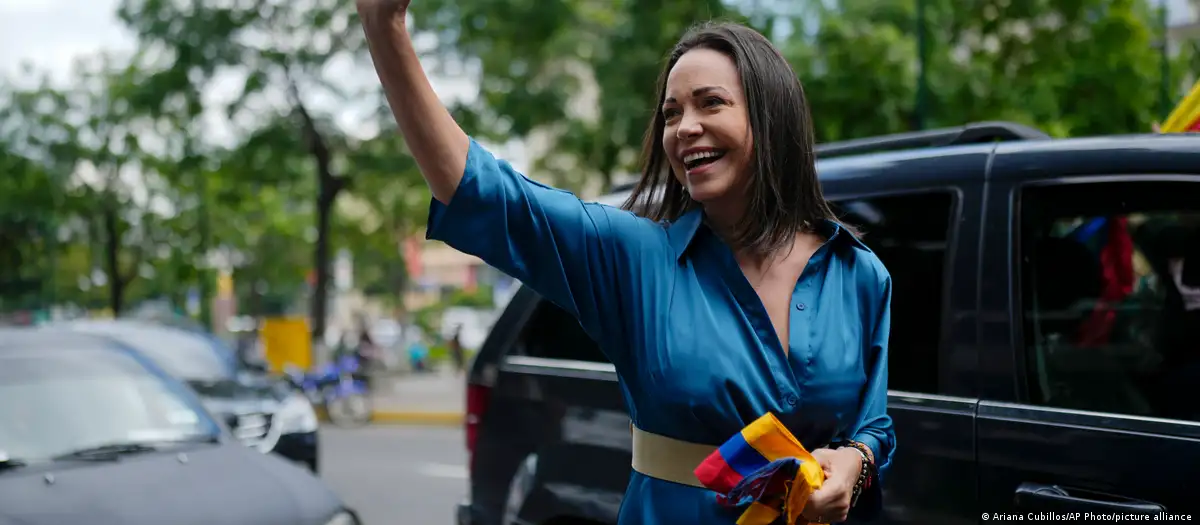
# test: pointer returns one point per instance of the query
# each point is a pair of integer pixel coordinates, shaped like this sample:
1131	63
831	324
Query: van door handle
1055	498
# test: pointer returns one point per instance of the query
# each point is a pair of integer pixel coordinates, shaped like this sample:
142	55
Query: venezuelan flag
765	467
1186	116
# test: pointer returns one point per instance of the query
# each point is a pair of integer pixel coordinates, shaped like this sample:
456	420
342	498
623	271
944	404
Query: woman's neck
724	219
724	222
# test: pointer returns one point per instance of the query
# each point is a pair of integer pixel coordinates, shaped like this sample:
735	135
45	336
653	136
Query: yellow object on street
225	286
1186	116
286	341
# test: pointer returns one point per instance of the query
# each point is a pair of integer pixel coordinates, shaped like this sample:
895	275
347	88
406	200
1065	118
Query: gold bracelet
861	482
865	450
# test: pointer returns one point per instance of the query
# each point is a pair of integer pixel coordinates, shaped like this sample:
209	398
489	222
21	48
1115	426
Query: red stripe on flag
716	474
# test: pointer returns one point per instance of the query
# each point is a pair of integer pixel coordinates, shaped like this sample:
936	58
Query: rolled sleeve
874	427
587	258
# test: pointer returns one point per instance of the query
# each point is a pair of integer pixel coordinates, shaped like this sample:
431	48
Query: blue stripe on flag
742	457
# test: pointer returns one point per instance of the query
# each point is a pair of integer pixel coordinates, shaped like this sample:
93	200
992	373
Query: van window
552	333
910	234
1110	296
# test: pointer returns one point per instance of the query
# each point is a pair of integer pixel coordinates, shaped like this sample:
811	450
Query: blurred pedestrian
367	350
365	353
418	355
457	354
345	347
732	293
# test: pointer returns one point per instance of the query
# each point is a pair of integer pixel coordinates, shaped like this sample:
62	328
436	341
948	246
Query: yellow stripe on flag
758	513
773	441
1186	114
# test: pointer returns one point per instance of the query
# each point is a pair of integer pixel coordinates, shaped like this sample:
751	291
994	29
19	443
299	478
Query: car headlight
296	415
342	518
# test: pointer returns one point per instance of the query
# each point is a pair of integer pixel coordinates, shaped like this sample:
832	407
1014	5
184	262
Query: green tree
260	191
31	187
577	73
116	181
26	230
581	74
85	180
286	52
1072	68
858	70
389	204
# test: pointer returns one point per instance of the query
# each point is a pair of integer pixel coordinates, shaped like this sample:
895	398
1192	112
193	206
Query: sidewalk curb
394	417
417	418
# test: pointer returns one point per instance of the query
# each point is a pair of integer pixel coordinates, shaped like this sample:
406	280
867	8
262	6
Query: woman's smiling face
707	128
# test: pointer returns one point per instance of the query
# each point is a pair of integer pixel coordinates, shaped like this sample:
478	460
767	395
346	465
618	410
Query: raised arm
437	143
605	266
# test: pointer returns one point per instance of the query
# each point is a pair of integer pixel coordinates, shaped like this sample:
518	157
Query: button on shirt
690	339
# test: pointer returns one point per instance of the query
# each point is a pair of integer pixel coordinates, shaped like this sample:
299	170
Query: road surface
396	475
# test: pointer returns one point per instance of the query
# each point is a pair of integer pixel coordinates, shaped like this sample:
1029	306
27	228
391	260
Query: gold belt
667	458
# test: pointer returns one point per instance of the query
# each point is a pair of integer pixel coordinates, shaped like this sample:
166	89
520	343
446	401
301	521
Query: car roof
121	326
1113	154
176	350
1172	153
136	332
50	340
838	169
1125	142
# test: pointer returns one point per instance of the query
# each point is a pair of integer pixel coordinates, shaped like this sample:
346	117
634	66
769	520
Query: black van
1044	351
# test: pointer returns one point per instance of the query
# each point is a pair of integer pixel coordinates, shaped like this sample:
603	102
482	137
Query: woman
692	299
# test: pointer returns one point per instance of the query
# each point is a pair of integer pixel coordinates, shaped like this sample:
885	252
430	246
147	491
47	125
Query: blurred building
436	269
1183	18
1183	22
1183	29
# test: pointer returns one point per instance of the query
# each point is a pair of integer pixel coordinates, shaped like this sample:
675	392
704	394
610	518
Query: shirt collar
683	231
836	232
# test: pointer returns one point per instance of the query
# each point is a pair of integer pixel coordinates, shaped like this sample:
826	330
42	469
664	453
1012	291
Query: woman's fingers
824	457
815	507
829	504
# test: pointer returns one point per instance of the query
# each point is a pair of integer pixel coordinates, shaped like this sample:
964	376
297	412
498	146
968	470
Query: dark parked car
94	433
261	410
1044	348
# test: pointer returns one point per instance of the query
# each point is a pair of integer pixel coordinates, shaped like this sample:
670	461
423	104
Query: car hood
241	388
227	484
229	396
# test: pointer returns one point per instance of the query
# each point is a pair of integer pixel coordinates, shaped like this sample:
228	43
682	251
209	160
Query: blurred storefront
437	269
1183	20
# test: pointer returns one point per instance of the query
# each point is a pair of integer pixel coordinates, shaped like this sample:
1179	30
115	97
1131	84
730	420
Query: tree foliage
117	186
580	74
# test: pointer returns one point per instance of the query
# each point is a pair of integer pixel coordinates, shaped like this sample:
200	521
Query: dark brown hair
785	196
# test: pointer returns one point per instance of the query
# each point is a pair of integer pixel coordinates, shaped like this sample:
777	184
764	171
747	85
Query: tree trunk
112	247
320	292
329	185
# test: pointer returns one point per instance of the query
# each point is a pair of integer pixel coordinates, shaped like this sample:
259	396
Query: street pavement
438	392
396	474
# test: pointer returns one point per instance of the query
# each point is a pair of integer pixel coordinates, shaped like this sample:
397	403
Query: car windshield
58	401
184	355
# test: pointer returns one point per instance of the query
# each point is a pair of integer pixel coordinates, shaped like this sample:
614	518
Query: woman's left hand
831	503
